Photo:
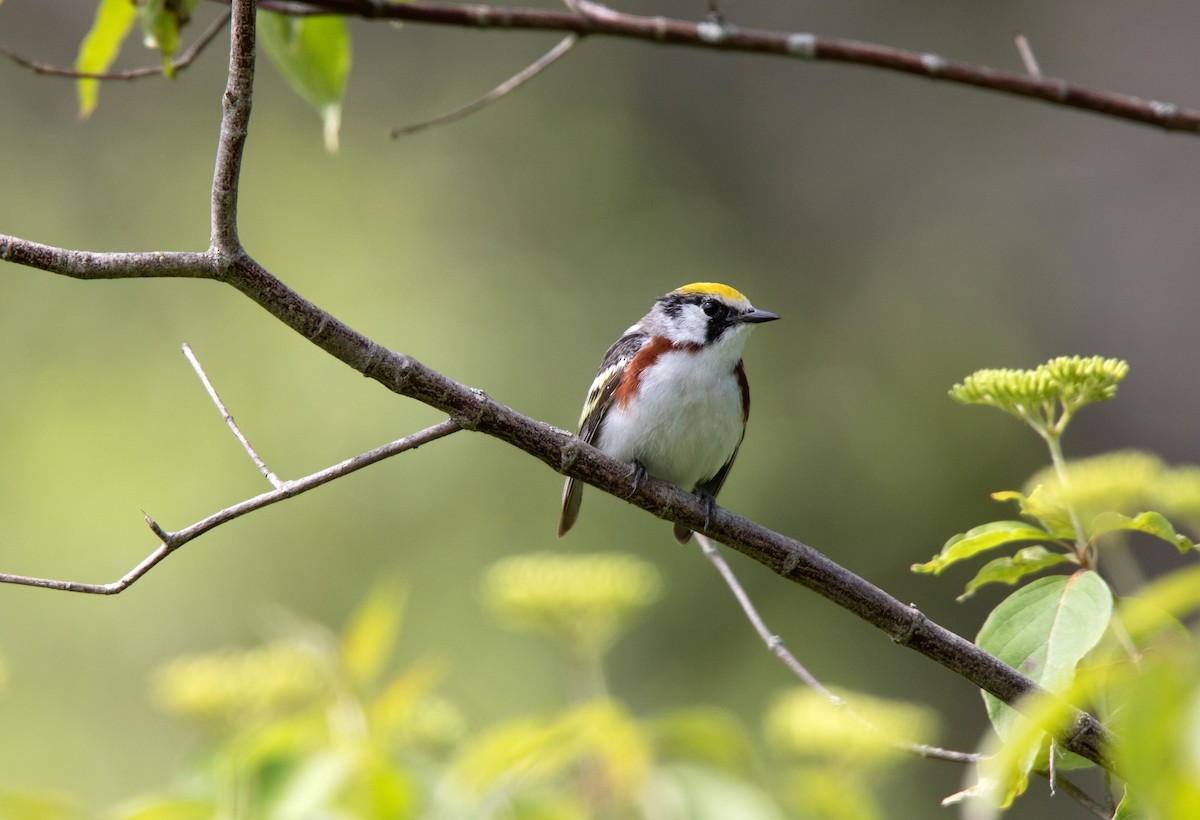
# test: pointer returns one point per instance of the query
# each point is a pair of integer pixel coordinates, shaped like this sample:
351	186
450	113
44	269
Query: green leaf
1011	569
370	636
867	734
1151	523
984	537
706	735
401	697
711	794
100	47
536	751
166	808
1128	809
1044	630
162	20
17	806
1160	605
1047	511
313	55
1159	726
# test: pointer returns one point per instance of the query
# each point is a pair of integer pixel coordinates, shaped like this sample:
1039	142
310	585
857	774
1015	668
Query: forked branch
472	410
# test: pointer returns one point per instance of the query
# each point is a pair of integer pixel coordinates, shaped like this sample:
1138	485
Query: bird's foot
710	504
638	471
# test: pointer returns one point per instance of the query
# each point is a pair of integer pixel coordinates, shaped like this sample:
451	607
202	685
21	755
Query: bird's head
703	314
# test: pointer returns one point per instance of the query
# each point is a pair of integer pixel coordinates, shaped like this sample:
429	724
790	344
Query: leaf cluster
320	724
313	53
1047	396
1069	632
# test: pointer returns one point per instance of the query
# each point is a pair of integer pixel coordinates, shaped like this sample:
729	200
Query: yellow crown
714	289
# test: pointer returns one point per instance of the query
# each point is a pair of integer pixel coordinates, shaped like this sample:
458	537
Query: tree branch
595	19
90	265
471	409
235	124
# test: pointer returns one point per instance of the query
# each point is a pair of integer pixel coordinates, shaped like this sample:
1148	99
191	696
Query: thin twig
225	414
171	541
178	64
1052	769
774	642
507	87
1027	58
1085	800
776	646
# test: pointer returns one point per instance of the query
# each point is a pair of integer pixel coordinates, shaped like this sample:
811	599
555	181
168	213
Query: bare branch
776	647
774	642
181	62
91	265
606	22
212	394
235	122
171	541
507	87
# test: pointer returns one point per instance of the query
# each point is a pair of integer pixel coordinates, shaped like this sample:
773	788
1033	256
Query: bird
671	395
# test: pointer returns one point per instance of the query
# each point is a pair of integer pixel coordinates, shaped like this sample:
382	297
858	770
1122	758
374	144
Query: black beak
756	316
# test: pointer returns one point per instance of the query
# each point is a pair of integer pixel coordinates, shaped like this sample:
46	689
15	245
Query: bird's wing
595	408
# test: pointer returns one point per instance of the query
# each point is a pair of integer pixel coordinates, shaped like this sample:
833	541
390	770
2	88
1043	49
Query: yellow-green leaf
100	47
529	752
370	636
1159	727
162	20
313	55
165	808
1041	506
984	537
1011	569
704	734
1151	523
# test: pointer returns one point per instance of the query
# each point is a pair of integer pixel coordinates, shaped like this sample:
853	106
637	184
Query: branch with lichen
586	18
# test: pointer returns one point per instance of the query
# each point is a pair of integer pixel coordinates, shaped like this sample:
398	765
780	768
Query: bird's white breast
686	420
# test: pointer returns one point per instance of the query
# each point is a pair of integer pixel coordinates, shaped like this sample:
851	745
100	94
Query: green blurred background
908	232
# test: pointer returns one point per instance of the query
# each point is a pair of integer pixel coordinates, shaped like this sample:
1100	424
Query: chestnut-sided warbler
671	395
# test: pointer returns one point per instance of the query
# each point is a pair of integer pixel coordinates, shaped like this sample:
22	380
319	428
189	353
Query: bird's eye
711	307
